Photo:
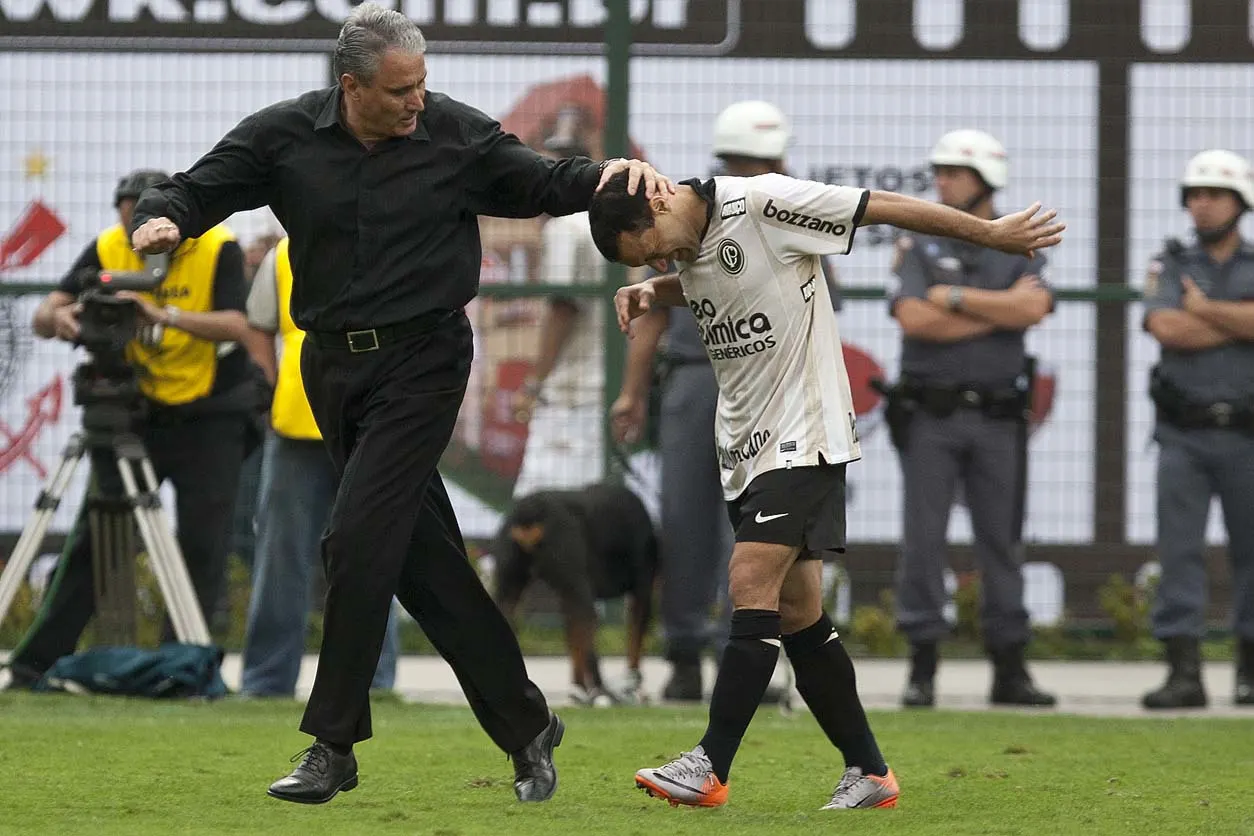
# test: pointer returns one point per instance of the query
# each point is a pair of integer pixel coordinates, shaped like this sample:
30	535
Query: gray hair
369	31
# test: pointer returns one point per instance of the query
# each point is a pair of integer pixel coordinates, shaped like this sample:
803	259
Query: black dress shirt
378	235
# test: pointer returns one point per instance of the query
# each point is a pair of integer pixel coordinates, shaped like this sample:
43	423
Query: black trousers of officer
202	458
386	417
987	455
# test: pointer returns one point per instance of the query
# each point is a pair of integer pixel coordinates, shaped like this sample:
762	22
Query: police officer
750	138
199	397
958	413
1199	305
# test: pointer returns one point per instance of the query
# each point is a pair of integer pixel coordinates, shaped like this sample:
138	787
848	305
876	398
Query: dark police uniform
1205	432
198	408
958	414
385	253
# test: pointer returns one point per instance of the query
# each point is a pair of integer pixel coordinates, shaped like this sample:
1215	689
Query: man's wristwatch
171	316
604	163
955	297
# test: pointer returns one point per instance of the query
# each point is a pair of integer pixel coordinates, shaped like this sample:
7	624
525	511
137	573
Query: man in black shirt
197	402
379	184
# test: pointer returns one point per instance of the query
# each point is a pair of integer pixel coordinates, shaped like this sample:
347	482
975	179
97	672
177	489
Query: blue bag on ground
169	672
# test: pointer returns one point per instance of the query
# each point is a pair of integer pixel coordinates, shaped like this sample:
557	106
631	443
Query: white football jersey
765	316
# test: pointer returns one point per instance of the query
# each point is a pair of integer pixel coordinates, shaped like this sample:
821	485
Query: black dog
592	544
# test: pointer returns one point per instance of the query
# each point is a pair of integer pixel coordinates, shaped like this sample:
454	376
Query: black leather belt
1216	416
941	400
372	339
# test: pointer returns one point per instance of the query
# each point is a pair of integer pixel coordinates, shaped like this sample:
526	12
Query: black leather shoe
535	776
320	777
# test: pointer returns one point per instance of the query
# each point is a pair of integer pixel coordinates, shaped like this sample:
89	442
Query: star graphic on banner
36	164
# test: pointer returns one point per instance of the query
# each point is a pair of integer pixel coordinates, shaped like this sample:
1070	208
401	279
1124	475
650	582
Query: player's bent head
635	230
614	213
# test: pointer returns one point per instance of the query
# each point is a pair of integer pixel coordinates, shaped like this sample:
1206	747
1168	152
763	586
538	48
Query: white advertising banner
1175	112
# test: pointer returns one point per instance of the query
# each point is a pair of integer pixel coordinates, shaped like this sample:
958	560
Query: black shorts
799	506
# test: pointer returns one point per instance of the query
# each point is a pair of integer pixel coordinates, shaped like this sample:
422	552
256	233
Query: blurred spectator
562	398
298	485
243	523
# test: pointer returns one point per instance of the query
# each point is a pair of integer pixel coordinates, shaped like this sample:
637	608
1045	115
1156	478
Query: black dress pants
386	416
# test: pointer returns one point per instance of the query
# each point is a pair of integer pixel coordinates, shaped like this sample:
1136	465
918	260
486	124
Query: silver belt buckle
971	397
359	341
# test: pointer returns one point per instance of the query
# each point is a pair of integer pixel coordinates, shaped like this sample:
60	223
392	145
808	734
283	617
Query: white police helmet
975	150
753	129
1217	169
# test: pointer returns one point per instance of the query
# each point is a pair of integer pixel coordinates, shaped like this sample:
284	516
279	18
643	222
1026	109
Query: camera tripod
108	418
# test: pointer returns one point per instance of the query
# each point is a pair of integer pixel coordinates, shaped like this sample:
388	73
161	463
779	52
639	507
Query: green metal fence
1099	105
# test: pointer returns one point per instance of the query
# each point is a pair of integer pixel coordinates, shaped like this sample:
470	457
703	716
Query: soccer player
748	251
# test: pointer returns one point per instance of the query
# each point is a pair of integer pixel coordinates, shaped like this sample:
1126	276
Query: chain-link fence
1098	104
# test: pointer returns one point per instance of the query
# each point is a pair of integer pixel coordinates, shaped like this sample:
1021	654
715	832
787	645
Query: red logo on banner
44	407
34	232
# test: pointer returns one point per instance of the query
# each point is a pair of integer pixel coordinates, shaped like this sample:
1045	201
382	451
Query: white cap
975	150
1218	169
752	129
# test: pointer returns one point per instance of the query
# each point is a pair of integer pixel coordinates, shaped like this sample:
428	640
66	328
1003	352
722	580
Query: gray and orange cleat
858	790
687	780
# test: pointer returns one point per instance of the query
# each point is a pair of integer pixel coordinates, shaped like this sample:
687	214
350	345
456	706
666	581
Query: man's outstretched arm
1021	233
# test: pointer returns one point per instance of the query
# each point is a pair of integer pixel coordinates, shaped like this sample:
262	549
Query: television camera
107	385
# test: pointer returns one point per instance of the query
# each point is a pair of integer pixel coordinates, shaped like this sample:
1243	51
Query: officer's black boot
1183	688
685	681
920	691
1011	683
1245	673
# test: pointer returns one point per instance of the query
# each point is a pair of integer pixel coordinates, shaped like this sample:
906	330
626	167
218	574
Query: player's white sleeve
802	217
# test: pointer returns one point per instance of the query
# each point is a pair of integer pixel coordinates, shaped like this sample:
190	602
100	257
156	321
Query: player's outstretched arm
1021	233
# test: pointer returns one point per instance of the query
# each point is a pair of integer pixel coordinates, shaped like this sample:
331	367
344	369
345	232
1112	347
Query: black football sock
827	682
748	663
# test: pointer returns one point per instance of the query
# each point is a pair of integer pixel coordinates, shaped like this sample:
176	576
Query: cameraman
198	400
